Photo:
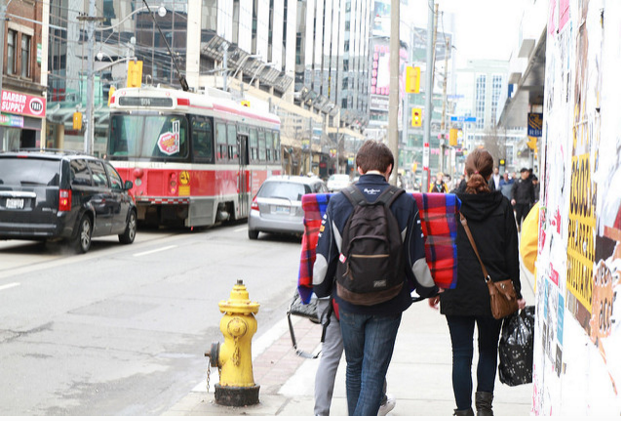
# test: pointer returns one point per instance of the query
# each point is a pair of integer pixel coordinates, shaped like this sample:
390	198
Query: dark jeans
369	342
462	340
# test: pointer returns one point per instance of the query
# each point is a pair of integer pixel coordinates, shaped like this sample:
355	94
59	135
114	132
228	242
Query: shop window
26	55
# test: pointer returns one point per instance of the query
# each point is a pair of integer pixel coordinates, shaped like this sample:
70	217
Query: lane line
240	229
13	285
154	251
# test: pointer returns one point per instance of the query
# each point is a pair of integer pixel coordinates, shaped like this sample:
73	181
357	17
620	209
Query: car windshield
29	171
283	190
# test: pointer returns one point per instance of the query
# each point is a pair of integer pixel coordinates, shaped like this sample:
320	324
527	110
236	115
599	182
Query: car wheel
129	235
81	242
253	234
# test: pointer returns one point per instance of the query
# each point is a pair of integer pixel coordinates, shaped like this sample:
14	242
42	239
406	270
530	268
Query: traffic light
417	117
502	162
532	143
453	137
134	74
412	80
111	94
77	120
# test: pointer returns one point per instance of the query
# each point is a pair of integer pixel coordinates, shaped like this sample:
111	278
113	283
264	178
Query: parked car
56	195
337	182
277	207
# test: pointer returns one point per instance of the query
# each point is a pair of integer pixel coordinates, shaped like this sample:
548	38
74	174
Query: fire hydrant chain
208	372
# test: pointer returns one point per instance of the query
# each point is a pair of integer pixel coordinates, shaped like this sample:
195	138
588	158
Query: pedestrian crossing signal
417	117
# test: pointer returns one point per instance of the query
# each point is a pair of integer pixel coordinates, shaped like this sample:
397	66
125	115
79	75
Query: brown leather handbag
503	299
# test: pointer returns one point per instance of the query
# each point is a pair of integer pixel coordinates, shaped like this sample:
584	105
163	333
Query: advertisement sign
18	103
11	120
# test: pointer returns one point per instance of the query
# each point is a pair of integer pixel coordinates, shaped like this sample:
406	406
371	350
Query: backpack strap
355	196
389	195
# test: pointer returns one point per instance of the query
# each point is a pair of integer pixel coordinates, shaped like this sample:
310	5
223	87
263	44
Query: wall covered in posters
577	361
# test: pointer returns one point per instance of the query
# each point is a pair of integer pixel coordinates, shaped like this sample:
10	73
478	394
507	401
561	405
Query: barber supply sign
18	103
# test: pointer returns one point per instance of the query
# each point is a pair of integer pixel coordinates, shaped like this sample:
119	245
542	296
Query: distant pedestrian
494	181
522	196
331	352
491	221
505	185
438	186
369	331
536	185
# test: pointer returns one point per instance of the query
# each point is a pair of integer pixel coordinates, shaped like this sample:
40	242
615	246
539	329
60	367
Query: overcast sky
484	29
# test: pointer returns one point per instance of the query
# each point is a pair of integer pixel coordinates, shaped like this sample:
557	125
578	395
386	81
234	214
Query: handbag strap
464	222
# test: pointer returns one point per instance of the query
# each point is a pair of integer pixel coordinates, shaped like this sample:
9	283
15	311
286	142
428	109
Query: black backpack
371	267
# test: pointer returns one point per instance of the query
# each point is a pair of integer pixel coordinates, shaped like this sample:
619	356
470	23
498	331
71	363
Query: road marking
7	286
241	229
153	251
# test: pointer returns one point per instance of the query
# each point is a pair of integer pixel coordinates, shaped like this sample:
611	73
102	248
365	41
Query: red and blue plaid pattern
438	213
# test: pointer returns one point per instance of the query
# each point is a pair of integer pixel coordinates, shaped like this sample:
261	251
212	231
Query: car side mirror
128	185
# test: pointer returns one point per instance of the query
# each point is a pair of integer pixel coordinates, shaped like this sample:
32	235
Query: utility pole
393	99
89	132
3	8
428	94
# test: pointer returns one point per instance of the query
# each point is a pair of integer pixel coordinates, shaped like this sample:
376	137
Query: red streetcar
195	159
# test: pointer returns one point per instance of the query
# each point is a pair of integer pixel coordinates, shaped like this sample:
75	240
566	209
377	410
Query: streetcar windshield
148	136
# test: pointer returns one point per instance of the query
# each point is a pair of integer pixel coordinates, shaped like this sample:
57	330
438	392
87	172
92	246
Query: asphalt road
122	330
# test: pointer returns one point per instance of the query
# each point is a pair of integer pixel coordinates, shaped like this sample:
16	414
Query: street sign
426	156
464	119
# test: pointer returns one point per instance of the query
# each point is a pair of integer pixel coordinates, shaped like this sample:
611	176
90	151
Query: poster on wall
577	359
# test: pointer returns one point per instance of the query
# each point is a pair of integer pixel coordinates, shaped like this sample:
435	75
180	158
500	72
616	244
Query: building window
25	56
10	55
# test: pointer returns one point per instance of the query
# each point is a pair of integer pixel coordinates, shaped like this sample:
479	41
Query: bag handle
464	222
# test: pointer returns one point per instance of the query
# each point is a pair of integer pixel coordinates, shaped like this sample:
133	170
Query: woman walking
492	223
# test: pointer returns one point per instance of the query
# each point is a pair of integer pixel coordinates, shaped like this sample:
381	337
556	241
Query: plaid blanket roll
438	213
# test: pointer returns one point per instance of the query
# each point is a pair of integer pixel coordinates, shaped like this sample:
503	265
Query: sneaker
387	406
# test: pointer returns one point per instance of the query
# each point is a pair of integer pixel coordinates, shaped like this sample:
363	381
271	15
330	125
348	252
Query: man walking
522	196
494	181
369	331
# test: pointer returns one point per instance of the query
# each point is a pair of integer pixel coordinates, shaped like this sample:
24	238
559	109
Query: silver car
277	207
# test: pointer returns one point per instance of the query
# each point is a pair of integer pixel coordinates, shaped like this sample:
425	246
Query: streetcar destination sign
139	101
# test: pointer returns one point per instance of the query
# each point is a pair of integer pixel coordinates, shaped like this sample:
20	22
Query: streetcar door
242	182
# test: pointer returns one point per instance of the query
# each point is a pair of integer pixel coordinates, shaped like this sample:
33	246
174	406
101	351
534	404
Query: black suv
50	195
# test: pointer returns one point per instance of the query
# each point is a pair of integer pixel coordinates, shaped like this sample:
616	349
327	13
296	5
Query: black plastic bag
515	349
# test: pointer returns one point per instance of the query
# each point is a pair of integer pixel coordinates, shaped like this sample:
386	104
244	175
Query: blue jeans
462	340
369	342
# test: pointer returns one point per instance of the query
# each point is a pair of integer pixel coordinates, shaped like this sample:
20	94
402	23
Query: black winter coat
492	223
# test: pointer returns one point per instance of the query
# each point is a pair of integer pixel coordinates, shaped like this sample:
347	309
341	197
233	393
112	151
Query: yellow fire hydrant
234	357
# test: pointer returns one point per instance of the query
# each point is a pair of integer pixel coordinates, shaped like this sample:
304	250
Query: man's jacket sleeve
417	269
327	254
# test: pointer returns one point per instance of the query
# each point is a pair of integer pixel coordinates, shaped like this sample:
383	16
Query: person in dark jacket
369	332
522	196
492	223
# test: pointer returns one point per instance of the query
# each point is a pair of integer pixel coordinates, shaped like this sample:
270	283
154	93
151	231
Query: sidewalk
419	375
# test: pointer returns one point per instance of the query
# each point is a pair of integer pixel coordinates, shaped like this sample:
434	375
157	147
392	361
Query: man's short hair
374	156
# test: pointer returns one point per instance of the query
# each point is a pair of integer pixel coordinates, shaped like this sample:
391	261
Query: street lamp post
89	132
